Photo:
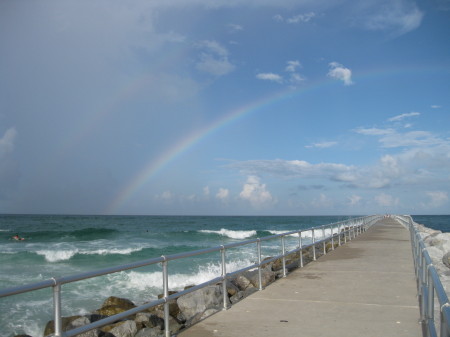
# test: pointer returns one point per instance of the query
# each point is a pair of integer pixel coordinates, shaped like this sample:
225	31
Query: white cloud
270	77
416	166
206	190
437	199
292	66
386	200
214	58
390	138
301	18
9	170
374	131
234	28
296	78
223	194
322	202
436	106
396	16
339	72
166	195
403	116
409	139
256	193
7	142
298	168
322	145
354	200
278	18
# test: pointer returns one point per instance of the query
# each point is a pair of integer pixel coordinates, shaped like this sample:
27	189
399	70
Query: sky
225	107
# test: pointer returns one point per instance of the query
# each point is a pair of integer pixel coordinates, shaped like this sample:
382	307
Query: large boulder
148	320
201	300
115	305
50	326
126	328
79	322
267	277
150	332
241	282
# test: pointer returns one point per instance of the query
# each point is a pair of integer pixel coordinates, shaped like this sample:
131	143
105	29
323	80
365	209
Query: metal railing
341	231
429	286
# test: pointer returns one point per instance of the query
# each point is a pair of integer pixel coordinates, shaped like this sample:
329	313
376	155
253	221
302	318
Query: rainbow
156	165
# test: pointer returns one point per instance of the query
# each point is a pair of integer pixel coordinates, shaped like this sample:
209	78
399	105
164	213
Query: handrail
348	229
429	285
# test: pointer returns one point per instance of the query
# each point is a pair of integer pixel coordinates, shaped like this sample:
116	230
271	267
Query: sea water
59	245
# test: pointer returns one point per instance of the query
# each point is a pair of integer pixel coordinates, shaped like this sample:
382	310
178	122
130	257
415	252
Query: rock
232	289
118	301
50	326
126	328
267	277
174	310
241	282
81	322
249	291
150	332
149	320
110	310
114	305
237	297
200	300
174	325
446	259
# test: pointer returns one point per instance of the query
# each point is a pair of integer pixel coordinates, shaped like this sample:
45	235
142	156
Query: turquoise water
57	245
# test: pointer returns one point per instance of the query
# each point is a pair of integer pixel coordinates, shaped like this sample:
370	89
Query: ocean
58	245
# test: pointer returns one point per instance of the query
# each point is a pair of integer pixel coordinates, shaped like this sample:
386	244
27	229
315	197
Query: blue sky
225	107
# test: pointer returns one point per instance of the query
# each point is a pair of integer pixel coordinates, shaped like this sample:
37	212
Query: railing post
224	278
324	241
345	235
166	294
430	312
444	329
258	245
339	234
57	309
300	246
332	238
283	247
314	245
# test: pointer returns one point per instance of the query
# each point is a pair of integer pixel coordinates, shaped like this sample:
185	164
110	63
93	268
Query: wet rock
150	332
126	328
446	259
148	320
114	305
201	300
232	289
267	277
241	282
50	326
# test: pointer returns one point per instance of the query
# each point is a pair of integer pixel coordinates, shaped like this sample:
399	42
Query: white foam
231	234
57	255
151	282
125	251
281	232
67	254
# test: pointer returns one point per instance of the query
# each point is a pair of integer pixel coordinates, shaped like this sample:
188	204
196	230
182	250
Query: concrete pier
364	288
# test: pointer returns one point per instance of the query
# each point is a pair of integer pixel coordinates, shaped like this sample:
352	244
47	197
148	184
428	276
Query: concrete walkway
365	288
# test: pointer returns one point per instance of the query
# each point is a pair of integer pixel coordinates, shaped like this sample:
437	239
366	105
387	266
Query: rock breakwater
187	309
438	247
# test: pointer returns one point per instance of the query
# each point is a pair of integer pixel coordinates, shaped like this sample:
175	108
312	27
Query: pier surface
365	288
